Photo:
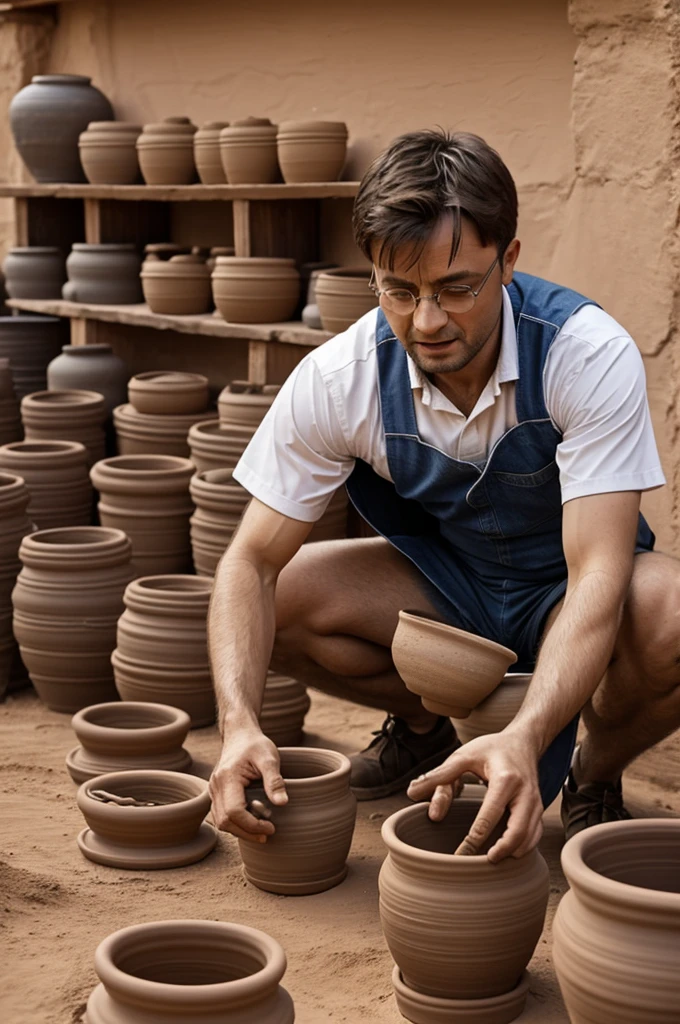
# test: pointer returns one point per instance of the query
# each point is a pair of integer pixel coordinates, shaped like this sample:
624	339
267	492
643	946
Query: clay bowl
451	670
497	711
170	834
161	392
123	735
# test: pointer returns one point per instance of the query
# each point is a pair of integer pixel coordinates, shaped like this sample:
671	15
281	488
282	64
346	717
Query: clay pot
451	670
423	1009
193	972
14	525
122	735
164	250
147	496
140	433
165	392
343	297
248	152
90	368
10	418
67	416
497	711
34	272
207	153
179	286
56	477
311	317
162	652
284	706
213	446
615	934
169	834
108	152
30	342
255	290
333	523
48	116
245	405
311	150
218	250
6	382
103	274
220	503
308	852
67	600
459	928
166	152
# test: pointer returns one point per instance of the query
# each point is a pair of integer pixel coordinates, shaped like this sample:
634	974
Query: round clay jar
214	446
248	152
104	274
34	272
179	286
497	711
343	297
284	706
161	392
90	368
166	152
255	289
57	480
142	433
190	972
243	404
29	342
108	152
207	153
311	150
66	415
220	502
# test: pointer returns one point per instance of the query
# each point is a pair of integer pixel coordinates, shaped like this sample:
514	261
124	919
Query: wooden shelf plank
183	193
207	324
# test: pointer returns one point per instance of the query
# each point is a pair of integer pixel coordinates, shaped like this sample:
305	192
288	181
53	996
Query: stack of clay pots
66	416
105	274
207	153
108	152
14	525
166	152
242	404
34	272
179	286
163	405
343	297
284	706
213	446
30	342
254	289
248	152
90	368
220	503
10	417
56	475
311	150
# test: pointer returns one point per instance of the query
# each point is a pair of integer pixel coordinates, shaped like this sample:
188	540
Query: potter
494	429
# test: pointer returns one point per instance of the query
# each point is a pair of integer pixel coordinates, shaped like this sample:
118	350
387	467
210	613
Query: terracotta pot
615	934
66	416
90	368
451	670
140	433
14	525
248	152
343	297
30	342
244	404
179	286
164	392
147	496
333	523
166	152
67	600
108	152
47	117
308	852
311	150
103	274
34	272
123	735
169	834
497	711
220	503
193	972
56	476
285	704
218	250
207	153
162	652
459	928
164	250
213	446
255	290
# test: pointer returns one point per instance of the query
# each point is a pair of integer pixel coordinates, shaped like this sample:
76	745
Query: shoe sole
378	792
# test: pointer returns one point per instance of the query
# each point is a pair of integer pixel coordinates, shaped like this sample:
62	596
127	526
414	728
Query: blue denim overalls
488	538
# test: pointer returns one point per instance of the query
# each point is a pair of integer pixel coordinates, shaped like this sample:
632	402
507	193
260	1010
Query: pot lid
34	250
313	127
251	122
61	79
213	126
113	126
104	247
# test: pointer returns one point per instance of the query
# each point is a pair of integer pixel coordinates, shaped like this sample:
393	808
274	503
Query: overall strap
396	395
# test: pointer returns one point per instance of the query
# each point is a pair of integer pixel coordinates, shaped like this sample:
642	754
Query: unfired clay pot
10	417
284	706
162	652
166	152
30	342
190	972
343	297
141	433
34	272
255	290
311	150
108	152
169	834
215	251
14	525
616	934
450	669
124	735
179	286
248	151
163	392
104	274
67	600
207	153
90	368
497	711
244	404
220	502
308	852
213	446
67	416
56	476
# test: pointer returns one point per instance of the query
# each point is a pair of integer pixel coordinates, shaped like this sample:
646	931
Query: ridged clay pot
166	152
66	416
123	735
34	272
67	601
213	446
310	316
308	852
162	651
169	392
56	477
90	368
616	934
255	290
220	503
193	972
311	150
207	153
451	670
218	250
244	404
284	706
14	525
459	928
248	152
10	417
48	116
30	342
170	834
141	433
104	275
497	711
343	297
108	152
179	286
147	496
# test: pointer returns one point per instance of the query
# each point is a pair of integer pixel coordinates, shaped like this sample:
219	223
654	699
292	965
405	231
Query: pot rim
433	625
94	248
95	539
162	583
398	846
335	774
163	378
84	726
44	447
176	465
79	350
199	785
62	79
26	250
80	397
35	318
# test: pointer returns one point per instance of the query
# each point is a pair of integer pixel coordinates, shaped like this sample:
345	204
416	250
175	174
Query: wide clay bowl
422	1009
451	670
616	934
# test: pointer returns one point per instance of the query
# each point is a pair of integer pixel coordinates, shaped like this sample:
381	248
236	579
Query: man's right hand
247	756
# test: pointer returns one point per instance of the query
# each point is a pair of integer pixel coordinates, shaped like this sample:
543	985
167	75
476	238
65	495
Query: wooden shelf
183	193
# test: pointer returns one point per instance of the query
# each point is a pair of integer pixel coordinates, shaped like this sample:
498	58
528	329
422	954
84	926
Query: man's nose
428	318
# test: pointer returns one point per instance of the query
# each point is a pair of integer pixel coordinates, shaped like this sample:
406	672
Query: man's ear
509	259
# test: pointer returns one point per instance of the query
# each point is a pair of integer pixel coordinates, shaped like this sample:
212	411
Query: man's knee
650	630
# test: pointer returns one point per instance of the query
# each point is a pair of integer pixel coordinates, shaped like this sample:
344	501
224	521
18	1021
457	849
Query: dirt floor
56	906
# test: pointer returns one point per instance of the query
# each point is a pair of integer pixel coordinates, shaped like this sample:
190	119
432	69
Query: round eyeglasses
452	298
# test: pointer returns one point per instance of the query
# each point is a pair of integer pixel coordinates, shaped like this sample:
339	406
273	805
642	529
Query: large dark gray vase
47	117
30	341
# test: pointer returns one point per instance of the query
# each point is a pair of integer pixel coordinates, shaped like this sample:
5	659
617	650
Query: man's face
439	341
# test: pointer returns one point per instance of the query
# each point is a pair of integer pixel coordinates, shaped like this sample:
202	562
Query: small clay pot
66	415
218	250
213	446
191	972
164	392
141	433
220	502
308	852
90	368
450	669
343	297
169	834
497	711
166	152
57	480
207	153
34	272
125	735
333	523
255	290
30	342
103	274
284	706
108	152
248	152
311	317
245	405
311	150
179	286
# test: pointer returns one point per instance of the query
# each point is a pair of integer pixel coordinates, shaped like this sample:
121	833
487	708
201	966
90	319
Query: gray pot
30	342
103	274
90	368
34	272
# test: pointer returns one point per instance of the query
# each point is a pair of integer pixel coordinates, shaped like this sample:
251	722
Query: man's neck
463	387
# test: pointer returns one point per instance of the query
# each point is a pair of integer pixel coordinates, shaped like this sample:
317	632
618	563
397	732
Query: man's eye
453	289
400	294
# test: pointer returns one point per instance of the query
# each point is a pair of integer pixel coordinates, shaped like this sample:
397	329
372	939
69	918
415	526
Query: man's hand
247	755
509	766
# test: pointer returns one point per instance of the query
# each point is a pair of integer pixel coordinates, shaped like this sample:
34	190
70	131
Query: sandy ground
56	906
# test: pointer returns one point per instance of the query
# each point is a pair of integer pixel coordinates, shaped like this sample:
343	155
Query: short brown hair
421	176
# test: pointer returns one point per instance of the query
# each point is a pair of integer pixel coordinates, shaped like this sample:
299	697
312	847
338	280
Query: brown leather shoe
398	755
591	803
